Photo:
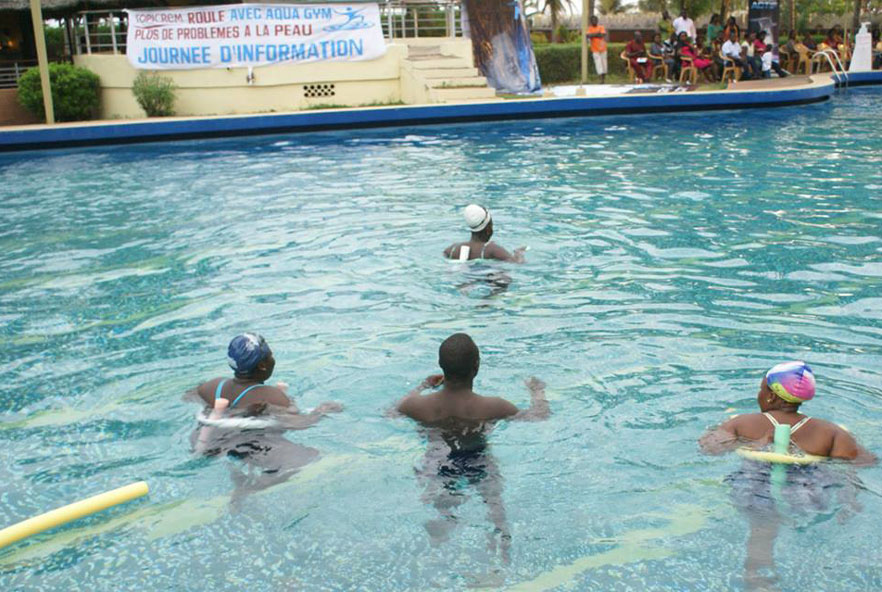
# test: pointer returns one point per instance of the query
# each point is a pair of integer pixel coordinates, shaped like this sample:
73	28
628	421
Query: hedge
562	62
74	92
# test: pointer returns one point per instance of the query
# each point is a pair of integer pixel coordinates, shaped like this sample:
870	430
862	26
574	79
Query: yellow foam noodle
71	512
776	457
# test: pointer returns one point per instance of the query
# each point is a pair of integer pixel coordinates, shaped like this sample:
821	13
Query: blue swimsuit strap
245	392
220	386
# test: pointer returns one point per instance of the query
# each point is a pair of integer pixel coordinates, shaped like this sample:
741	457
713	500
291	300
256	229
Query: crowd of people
678	45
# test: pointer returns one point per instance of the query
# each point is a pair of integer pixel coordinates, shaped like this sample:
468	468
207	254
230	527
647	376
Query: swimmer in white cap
480	222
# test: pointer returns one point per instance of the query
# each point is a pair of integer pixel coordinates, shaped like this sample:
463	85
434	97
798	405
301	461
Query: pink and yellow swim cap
792	381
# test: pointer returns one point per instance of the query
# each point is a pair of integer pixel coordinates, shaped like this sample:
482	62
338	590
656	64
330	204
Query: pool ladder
840	74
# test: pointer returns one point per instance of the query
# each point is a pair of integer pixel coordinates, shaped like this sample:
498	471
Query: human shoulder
497	407
207	390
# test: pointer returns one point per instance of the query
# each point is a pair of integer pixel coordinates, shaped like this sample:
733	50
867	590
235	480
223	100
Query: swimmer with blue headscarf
245	419
252	362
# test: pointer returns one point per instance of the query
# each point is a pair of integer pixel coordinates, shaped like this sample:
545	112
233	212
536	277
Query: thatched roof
58	7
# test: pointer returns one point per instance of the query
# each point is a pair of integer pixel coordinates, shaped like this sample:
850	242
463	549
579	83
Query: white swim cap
477	217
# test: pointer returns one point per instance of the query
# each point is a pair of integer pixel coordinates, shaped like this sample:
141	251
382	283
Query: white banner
253	35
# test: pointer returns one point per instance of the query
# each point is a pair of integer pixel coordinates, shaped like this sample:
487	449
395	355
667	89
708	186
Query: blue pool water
672	259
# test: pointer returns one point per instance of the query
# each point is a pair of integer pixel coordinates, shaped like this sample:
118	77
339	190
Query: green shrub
563	62
155	94
75	92
54	42
538	38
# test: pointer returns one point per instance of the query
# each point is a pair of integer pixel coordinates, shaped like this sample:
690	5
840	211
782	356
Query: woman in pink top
685	49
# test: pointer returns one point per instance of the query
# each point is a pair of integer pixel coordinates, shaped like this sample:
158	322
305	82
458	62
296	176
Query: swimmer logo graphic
249	35
355	20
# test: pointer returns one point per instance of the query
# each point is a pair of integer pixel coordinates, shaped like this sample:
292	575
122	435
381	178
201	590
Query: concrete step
434	62
423	50
450	73
458	82
443	95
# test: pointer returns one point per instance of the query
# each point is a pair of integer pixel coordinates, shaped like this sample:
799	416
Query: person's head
638	36
732	35
479	221
786	386
715	19
751	36
682	38
665	15
459	359
732	22
250	357
684	14
594	20
657	38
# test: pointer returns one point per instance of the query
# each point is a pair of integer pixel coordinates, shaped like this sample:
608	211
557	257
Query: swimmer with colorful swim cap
480	223
783	389
252	362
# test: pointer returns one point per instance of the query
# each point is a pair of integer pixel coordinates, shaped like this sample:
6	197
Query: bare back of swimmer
783	389
479	246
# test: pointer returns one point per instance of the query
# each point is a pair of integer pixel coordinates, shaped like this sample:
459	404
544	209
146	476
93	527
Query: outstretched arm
539	408
494	251
720	439
301	421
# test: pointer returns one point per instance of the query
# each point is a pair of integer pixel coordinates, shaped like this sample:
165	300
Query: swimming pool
672	259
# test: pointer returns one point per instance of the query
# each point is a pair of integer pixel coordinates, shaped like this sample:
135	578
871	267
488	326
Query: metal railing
421	18
98	31
11	72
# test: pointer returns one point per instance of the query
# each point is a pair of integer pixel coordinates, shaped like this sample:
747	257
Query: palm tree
611	6
556	8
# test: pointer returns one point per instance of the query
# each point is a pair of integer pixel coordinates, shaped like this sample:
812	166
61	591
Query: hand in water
329	407
534	384
433	381
282	386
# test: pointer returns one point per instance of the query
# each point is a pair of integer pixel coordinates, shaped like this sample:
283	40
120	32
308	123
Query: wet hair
458	357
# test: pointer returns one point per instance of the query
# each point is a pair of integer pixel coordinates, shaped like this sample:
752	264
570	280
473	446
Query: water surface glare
672	259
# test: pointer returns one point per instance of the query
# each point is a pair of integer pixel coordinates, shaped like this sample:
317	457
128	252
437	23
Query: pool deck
563	102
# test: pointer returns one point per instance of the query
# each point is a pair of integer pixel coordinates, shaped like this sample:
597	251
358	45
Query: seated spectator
809	42
658	54
771	63
672	58
716	50
635	51
686	50
732	50
832	40
751	57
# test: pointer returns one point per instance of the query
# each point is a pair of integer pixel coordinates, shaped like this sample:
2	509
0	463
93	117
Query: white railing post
86	32
113	35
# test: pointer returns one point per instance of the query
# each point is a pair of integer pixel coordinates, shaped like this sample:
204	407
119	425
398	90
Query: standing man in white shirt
684	23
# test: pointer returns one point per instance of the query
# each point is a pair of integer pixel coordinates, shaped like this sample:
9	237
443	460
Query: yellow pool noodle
777	457
71	512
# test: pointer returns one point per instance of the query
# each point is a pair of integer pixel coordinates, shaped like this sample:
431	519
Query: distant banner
253	35
763	16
